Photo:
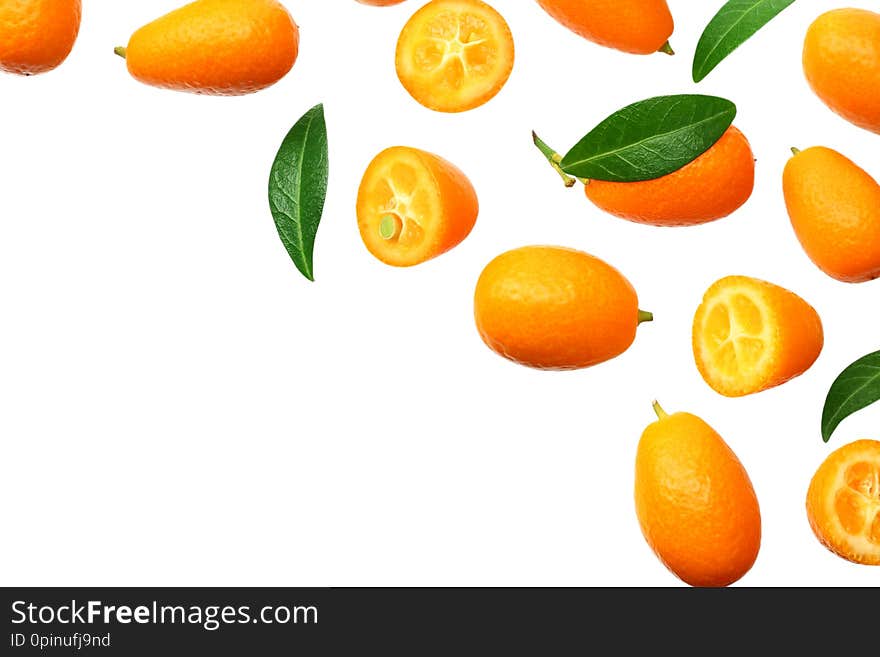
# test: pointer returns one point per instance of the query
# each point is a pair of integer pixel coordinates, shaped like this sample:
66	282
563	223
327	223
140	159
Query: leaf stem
795	151
645	316
120	50
553	158
658	409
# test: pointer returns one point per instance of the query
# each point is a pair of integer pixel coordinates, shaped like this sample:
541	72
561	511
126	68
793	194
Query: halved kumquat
750	335
843	502
454	55
413	206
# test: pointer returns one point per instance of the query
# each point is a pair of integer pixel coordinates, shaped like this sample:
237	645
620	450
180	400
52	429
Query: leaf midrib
297	200
832	420
719	41
654	137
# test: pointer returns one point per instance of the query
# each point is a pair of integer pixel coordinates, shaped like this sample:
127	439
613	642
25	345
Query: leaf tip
316	112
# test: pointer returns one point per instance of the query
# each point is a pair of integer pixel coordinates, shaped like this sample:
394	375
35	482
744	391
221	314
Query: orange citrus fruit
454	55
843	502
216	47
842	64
413	206
834	208
637	26
37	35
711	187
554	308
750	335
695	501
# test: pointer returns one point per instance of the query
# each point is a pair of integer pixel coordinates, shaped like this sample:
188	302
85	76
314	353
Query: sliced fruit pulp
401	214
456	47
400	197
857	501
735	333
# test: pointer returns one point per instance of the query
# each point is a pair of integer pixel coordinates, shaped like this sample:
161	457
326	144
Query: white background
179	406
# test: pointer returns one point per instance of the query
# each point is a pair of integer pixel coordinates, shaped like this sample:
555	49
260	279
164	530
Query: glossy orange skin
37	35
554	308
791	333
641	27
695	502
444	212
713	186
834	208
842	64
843	502
216	47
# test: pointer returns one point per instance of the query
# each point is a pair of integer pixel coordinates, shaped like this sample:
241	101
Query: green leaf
298	187
735	23
857	386
650	139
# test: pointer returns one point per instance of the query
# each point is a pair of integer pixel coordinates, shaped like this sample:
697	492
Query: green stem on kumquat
658	409
555	160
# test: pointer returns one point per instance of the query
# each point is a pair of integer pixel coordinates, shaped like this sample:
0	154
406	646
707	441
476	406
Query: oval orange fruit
750	335
216	47
554	308
843	502
635	26
37	35
413	206
695	502
454	55
842	64
713	186
834	207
